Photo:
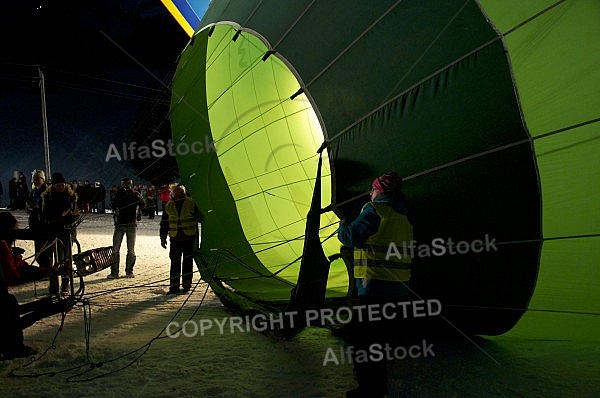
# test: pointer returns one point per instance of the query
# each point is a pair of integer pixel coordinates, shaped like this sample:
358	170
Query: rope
92	365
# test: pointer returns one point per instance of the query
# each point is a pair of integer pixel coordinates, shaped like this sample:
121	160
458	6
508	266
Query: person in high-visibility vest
180	222
382	221
378	277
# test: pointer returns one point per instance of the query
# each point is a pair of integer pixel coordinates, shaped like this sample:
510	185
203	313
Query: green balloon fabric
489	110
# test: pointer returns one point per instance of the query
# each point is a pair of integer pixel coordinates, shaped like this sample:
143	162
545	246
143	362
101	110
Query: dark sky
95	89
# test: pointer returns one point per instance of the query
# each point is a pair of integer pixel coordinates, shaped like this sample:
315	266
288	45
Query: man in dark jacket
59	209
126	205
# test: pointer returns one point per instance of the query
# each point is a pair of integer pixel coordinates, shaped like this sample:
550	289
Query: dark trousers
179	268
30	273
11	332
45	260
371	375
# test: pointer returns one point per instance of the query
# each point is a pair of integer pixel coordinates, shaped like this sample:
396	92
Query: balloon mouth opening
267	135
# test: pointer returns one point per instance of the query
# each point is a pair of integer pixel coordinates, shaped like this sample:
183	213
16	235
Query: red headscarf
388	183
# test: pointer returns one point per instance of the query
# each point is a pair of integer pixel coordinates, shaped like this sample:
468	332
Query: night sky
96	90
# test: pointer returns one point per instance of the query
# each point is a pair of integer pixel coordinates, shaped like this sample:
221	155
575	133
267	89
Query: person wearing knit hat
59	208
388	183
34	200
379	278
58	178
127	182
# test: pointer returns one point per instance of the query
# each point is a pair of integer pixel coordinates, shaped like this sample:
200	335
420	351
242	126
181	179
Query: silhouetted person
180	222
377	279
59	207
13	270
34	209
126	205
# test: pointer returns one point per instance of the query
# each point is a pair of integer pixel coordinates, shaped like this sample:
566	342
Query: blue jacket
356	234
366	224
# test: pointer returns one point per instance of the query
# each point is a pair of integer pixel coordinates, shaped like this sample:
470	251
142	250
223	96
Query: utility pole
45	124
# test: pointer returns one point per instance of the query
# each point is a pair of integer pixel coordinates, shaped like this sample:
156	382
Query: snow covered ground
125	351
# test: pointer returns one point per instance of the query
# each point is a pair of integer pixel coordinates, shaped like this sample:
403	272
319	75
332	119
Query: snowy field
124	350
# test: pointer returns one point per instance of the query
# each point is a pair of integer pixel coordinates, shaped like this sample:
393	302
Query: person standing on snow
59	209
180	222
126	206
34	209
377	280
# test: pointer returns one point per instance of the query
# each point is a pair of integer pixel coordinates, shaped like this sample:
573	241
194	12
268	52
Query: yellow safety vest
184	218
369	259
